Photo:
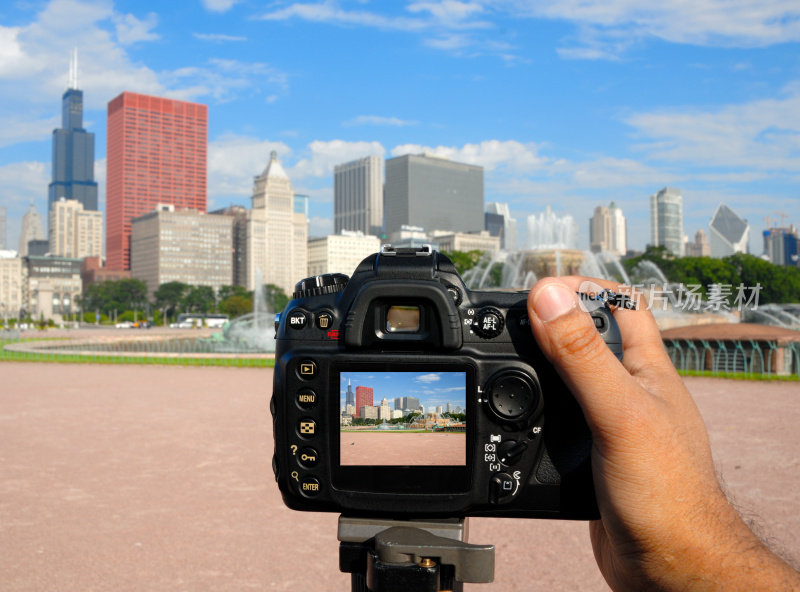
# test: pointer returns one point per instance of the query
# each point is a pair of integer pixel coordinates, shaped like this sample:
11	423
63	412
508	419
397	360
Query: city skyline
431	388
548	100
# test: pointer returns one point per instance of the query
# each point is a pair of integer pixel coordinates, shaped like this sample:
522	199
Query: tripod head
411	555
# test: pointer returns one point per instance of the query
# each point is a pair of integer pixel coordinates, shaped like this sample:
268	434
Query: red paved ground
158	478
397	448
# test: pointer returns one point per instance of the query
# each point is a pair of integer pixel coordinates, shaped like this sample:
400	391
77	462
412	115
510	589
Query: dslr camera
399	392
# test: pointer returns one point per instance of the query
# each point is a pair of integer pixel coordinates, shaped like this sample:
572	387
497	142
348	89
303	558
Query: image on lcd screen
403	418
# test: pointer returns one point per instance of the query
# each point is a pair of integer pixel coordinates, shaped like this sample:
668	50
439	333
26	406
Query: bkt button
298	320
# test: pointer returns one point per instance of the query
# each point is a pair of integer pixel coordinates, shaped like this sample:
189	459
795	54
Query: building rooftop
733	332
728	224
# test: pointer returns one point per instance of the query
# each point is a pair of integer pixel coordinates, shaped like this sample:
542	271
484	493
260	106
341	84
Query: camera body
472	419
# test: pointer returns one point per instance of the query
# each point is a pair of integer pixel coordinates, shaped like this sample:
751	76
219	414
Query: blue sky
431	388
568	103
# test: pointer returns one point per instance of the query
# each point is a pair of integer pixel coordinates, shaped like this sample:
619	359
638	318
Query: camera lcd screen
400	418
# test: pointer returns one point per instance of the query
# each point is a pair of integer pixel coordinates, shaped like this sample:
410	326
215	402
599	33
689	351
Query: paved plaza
159	478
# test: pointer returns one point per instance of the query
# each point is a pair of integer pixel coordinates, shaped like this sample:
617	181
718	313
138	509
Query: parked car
124	325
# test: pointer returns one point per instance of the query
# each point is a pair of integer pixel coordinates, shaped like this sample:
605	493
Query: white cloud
234	160
326	155
762	135
443	23
745	23
378	120
329	12
218	5
218	37
508	155
34	63
223	80
428	378
15	129
131	30
319	226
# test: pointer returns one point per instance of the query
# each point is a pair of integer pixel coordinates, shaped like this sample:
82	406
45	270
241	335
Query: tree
275	298
226	291
115	295
464	260
236	305
198	299
169	296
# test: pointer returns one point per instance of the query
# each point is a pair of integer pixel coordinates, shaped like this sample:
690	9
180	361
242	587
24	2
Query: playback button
307	369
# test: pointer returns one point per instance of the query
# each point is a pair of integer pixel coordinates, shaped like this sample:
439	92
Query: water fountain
552	250
254	331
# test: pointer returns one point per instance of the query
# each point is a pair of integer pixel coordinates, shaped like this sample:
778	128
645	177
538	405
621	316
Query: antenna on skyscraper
73	69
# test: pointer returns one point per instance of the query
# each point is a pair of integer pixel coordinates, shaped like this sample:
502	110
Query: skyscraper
276	234
358	196
434	193
508	236
363	399
699	247
74	231
185	246
31	229
666	220
156	154
729	233
73	150
607	230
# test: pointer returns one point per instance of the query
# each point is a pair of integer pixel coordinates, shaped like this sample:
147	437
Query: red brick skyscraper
363	398
155	154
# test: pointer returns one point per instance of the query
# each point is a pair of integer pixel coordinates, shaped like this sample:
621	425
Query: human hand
665	523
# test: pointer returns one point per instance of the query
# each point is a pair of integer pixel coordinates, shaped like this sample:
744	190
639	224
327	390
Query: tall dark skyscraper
350	400
73	149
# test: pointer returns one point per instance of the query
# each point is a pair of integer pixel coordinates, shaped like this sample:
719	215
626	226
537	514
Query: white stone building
73	231
276	235
340	253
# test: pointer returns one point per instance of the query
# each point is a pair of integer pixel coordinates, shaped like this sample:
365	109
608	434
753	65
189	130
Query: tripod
411	555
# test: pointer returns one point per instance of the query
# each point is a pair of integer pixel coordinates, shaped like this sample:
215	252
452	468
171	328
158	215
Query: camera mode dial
328	283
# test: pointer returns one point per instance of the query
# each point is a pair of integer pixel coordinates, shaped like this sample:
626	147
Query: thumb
568	338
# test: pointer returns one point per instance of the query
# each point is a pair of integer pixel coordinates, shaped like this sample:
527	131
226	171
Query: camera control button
307	428
307	398
488	323
309	486
307	369
298	319
502	487
510	451
324	320
512	396
308	457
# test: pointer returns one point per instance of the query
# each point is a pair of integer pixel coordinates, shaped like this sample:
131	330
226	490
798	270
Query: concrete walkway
159	478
